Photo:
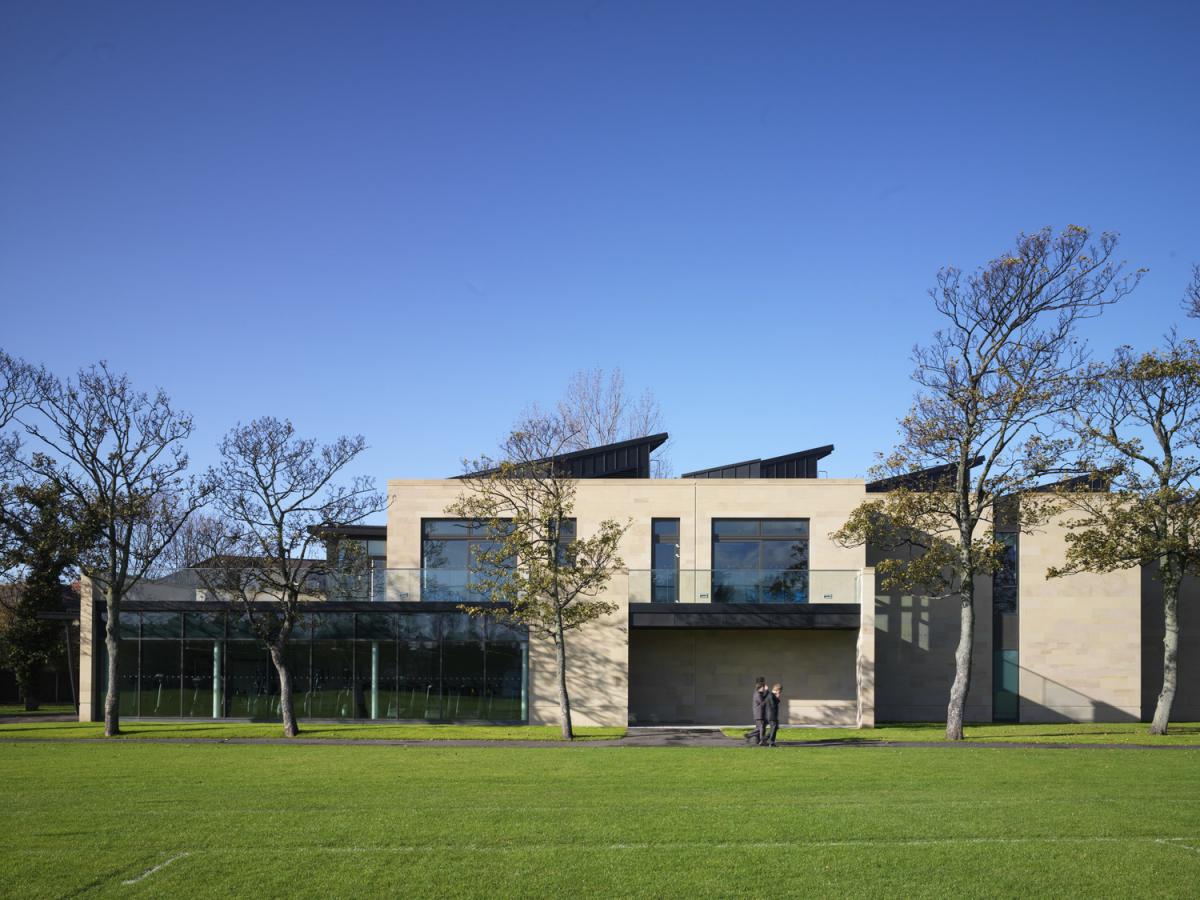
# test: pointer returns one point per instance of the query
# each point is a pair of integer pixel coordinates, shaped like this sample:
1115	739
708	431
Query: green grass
1181	734
226	730
46	709
340	821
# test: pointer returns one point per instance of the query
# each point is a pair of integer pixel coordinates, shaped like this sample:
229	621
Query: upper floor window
1005	588
760	560
664	560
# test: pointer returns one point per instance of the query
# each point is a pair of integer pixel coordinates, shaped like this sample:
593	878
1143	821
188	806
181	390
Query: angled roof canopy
802	464
624	459
920	480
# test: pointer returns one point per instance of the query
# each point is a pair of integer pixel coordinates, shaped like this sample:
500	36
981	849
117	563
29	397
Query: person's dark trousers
756	736
769	736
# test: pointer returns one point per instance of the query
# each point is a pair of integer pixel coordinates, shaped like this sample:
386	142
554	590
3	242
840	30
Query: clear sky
411	220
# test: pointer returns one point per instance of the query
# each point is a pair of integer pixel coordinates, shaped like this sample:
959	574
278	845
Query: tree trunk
285	692
564	701
1171	576
112	710
27	687
962	664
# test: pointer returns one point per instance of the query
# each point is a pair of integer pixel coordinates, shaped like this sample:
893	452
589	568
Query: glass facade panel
418	626
419	677
159	685
249	681
239	627
434	666
462	627
464	680
202	664
375	693
129	626
332	680
505	668
204	625
162	625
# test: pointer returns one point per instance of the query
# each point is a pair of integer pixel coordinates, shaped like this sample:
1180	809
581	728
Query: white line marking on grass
1176	842
151	871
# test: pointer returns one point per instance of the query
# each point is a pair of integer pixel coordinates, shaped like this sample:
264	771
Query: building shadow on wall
1067	705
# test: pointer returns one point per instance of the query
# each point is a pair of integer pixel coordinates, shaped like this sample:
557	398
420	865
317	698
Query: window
664	560
453	556
1004	581
361	571
452	553
760	560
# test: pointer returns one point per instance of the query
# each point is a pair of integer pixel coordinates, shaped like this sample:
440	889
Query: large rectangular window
760	560
452	557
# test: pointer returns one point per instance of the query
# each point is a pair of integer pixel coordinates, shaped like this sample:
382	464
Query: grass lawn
205	820
46	709
225	730
1183	733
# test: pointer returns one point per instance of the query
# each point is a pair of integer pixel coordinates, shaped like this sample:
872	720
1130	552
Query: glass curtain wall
432	666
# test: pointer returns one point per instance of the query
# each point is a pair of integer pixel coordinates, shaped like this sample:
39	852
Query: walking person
771	713
755	737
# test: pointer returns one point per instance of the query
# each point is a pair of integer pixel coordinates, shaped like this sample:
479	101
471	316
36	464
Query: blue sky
410	220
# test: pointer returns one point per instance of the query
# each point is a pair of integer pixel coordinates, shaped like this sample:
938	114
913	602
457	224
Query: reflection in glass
160	678
760	561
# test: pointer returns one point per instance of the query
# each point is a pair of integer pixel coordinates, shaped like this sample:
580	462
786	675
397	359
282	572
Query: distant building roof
802	464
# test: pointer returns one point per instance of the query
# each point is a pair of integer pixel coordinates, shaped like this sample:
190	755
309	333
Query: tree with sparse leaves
989	386
118	455
1138	423
538	571
276	497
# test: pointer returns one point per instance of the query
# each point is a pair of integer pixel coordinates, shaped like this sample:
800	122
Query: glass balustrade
467	586
743	586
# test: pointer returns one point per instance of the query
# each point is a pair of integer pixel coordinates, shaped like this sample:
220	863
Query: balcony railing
743	586
463	586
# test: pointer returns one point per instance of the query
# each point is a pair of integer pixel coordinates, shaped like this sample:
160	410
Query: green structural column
217	693
525	683
374	679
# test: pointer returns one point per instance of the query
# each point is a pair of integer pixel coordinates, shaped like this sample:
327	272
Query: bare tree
547	577
598	409
989	386
118	455
21	384
1138	421
1191	296
277	498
